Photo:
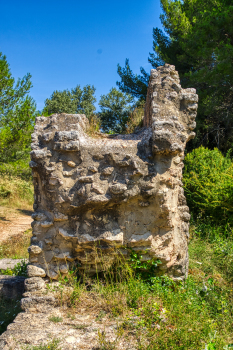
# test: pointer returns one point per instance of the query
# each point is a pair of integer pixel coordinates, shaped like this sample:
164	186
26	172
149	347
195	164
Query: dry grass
16	246
160	315
135	119
94	125
15	192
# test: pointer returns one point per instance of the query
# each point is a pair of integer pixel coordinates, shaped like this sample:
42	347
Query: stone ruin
97	195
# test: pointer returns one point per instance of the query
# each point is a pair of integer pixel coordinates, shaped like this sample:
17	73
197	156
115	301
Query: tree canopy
115	108
131	83
77	100
17	113
198	40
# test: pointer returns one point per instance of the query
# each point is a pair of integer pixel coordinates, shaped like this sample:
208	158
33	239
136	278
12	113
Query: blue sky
65	43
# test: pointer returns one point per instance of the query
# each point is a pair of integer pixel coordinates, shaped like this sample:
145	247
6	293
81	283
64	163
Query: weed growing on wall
52	345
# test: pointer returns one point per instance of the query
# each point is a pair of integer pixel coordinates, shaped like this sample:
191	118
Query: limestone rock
34	283
34	271
34	249
95	195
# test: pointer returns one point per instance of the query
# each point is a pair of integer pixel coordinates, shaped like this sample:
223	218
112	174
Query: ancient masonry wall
96	195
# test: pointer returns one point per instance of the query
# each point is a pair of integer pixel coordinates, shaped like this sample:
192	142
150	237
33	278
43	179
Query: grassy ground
16	192
157	314
196	314
16	189
16	247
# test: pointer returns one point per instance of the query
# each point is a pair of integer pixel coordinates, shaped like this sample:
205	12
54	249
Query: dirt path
13	222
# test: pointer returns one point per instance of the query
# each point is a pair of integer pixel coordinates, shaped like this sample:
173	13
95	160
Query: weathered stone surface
32	329
34	249
10	263
34	271
34	283
94	195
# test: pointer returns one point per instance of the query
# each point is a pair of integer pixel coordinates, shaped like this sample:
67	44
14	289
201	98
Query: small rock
53	181
34	249
72	340
34	283
88	179
60	217
107	171
71	164
34	271
46	224
118	188
93	169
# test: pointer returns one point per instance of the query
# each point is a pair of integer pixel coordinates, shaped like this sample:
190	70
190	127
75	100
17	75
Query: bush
208	184
20	269
19	168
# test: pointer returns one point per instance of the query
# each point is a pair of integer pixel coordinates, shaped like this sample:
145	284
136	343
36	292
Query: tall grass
16	247
16	192
158	313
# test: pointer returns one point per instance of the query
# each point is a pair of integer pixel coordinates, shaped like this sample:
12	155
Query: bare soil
13	222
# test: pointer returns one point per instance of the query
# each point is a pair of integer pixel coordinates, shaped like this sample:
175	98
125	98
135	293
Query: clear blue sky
65	43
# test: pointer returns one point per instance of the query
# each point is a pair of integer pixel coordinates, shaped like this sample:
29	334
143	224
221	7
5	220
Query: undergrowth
16	192
155	311
208	184
20	269
16	247
19	168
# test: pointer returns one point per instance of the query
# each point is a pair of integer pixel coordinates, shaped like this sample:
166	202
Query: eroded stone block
94	196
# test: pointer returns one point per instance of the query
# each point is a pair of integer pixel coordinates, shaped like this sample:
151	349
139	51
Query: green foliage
131	83
197	39
52	345
20	269
144	270
74	101
16	247
11	93
115	108
135	120
17	114
55	319
14	191
18	168
221	239
208	184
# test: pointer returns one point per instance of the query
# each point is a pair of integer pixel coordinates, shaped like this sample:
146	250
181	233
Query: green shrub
19	168
20	269
208	184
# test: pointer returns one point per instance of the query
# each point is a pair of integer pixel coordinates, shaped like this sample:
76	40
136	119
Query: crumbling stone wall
96	195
